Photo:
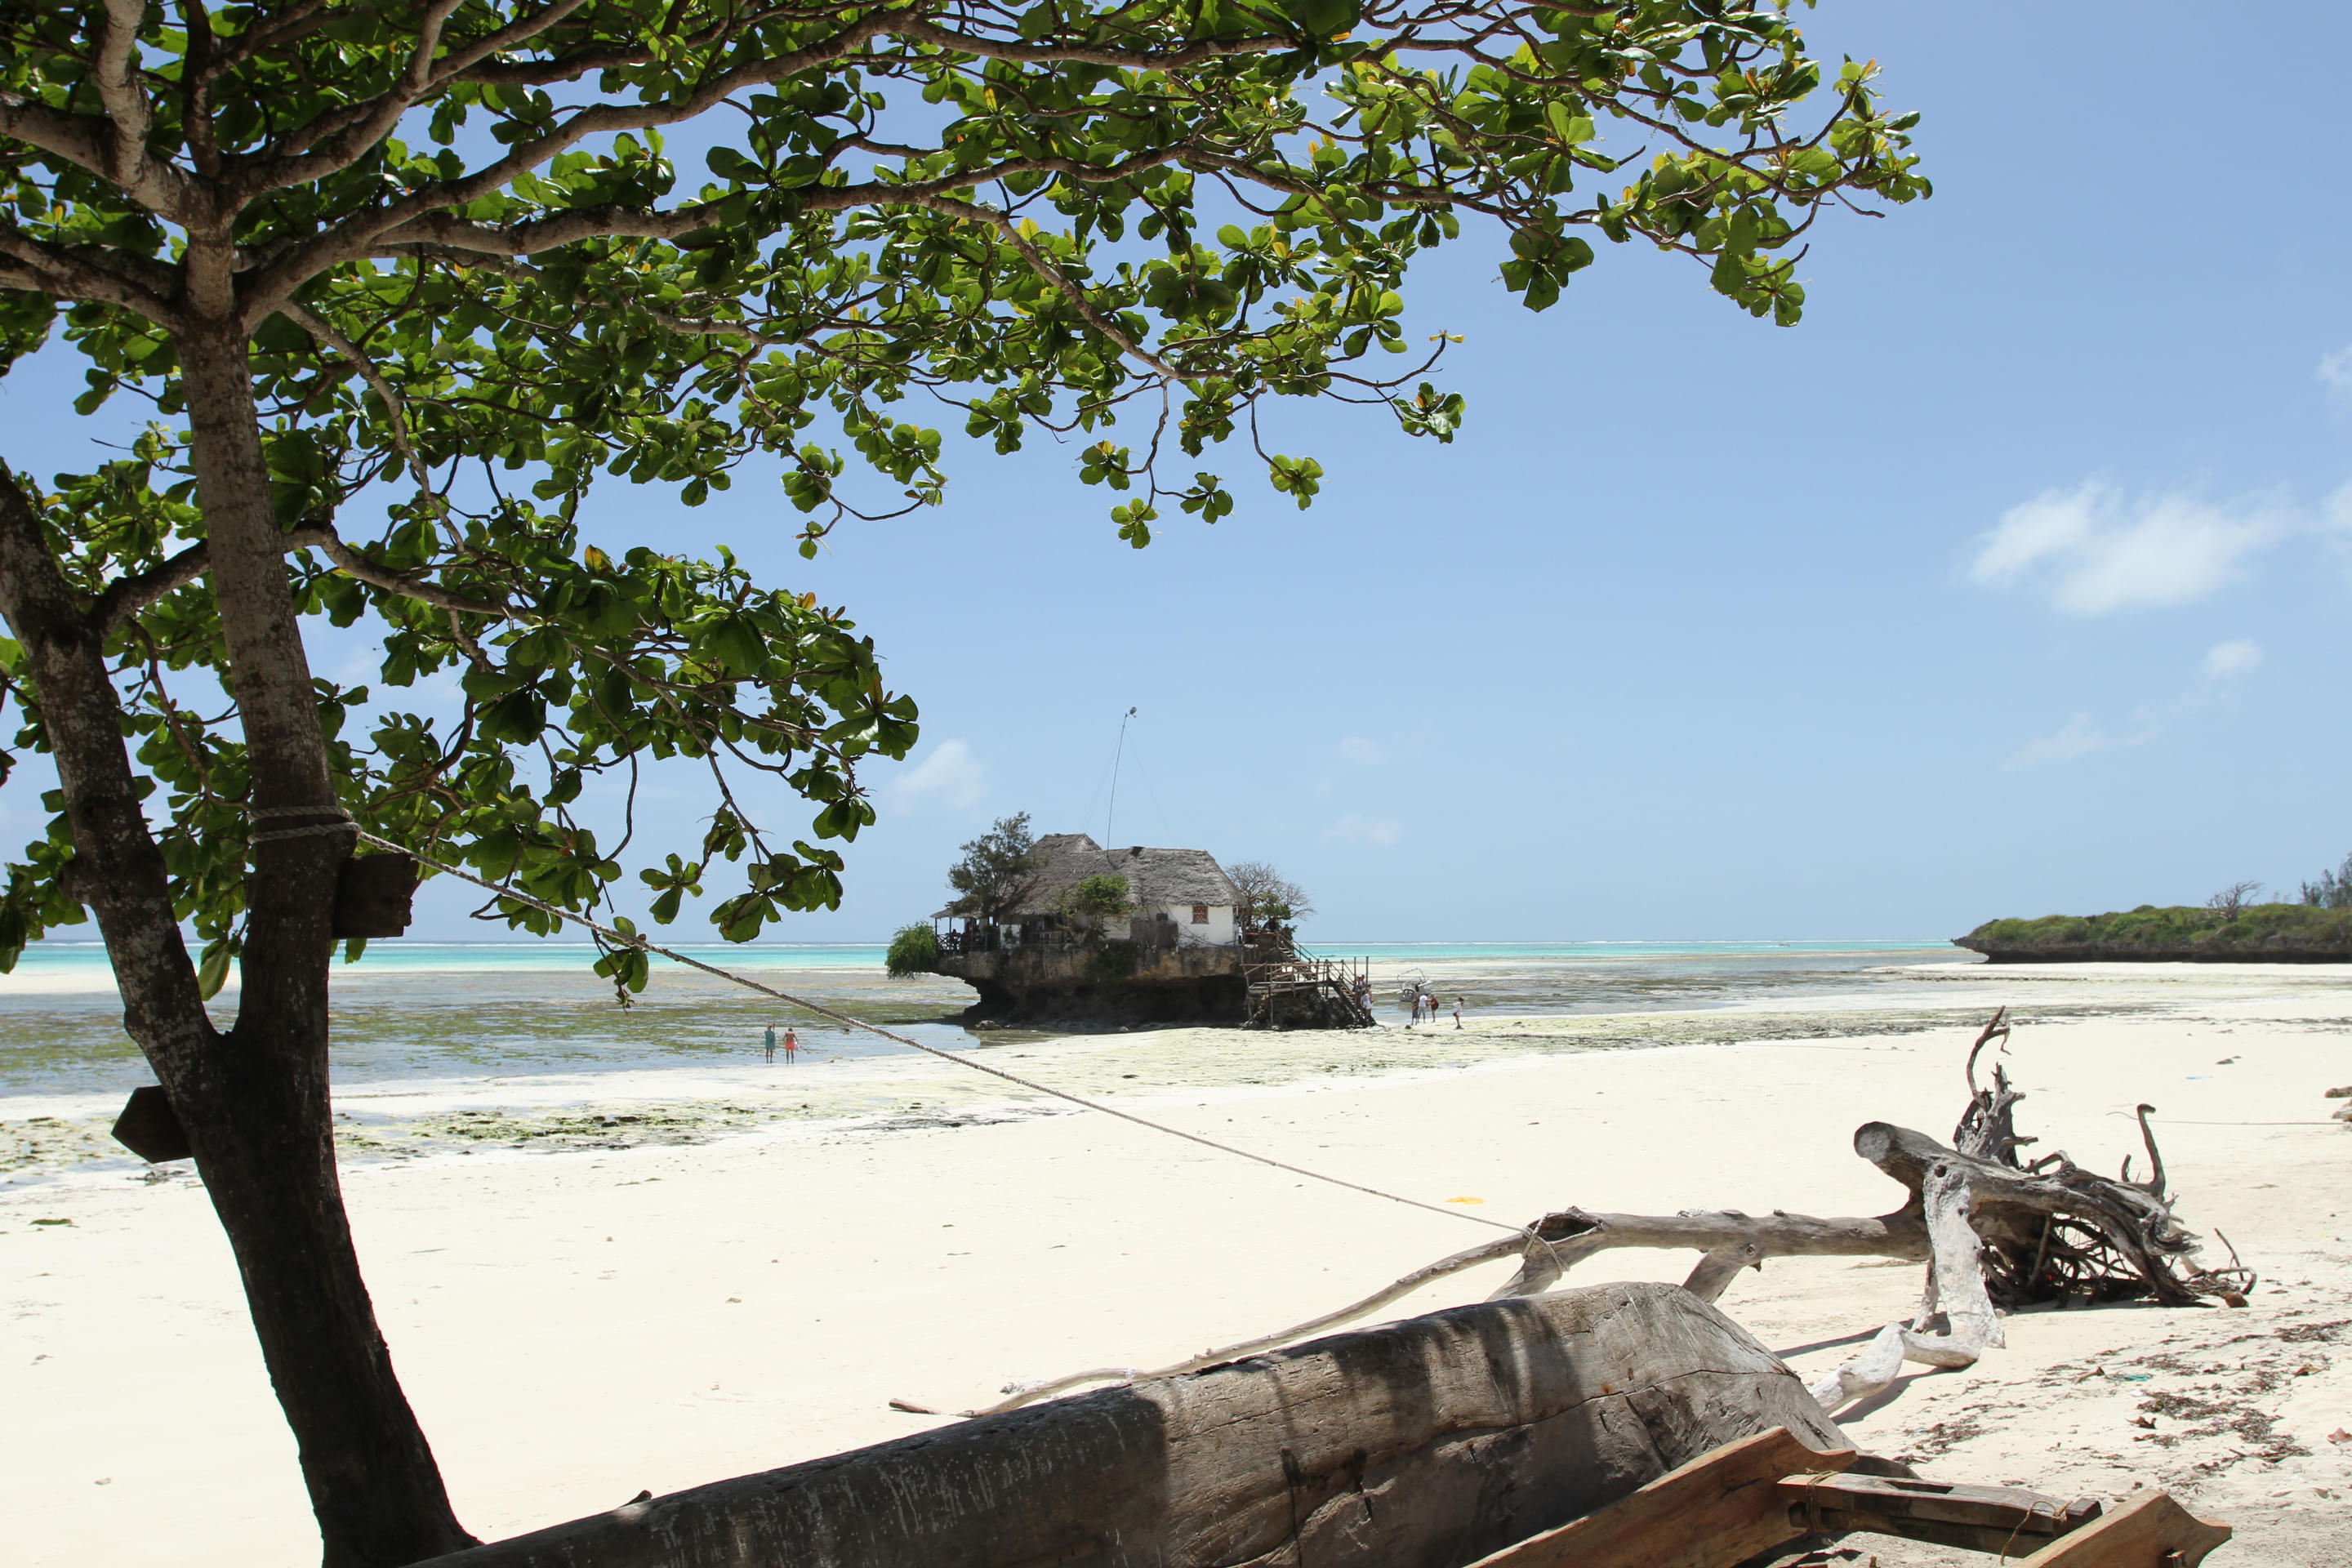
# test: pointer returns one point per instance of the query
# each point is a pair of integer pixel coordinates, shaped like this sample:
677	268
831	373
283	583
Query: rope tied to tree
342	823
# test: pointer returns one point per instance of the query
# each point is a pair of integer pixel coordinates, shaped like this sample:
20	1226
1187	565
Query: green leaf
212	974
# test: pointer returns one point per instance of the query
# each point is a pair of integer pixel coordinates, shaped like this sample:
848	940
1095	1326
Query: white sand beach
575	1323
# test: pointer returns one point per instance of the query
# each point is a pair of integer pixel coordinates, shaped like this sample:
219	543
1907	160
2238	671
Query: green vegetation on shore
914	950
2253	930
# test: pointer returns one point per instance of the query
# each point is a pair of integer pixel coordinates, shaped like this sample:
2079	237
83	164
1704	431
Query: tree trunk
254	1101
260	1122
1426	1444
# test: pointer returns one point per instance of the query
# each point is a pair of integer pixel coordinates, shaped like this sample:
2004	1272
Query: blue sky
2014	580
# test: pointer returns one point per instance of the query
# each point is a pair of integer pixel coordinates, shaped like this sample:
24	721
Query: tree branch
420	214
76	138
438	231
529	238
434	234
354	565
196	112
126	596
120	869
345	134
86	272
153	184
394	404
1192	54
571	68
353	238
116	73
454	66
1730	1241
1045	267
295	22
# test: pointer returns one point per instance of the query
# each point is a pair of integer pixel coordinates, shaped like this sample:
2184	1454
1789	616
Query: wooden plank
1721	1509
1425	1444
2153	1532
2004	1519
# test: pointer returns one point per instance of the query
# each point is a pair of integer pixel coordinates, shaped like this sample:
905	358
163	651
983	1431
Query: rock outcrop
1103	984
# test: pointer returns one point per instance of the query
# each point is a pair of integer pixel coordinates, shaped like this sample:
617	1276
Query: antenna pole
1112	811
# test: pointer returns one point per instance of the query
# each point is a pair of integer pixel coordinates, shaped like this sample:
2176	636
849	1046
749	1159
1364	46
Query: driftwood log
1427	1444
1995	1233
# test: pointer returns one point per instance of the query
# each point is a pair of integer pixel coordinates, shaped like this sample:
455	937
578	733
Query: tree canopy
1092	903
1267	895
914	950
997	870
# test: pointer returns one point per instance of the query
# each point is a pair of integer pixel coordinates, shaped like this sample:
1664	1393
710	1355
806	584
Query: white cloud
2335	520
2082	736
951	775
2091	551
1373	832
2224	665
1357	751
2229	660
2336	370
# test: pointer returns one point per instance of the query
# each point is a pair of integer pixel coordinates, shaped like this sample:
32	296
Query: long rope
623	939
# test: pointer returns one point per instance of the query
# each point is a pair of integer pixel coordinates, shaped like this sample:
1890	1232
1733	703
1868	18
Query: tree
1091	903
1267	895
998	869
432	254
914	950
2232	900
2334	889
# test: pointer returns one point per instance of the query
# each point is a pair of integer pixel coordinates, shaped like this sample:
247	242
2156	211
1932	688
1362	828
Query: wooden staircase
1287	979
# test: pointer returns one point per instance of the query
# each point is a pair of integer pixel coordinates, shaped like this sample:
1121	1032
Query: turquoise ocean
439	1011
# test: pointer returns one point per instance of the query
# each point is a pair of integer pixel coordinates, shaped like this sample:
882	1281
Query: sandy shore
583	1306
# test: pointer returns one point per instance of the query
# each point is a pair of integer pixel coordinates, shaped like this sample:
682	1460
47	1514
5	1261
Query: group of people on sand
1426	1005
792	1045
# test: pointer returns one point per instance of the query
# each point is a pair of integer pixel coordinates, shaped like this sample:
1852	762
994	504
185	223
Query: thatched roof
1154	877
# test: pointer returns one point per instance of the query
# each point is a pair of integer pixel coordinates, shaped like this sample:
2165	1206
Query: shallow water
1640	977
419	1011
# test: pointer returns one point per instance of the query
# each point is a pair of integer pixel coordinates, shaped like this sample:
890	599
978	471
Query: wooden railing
1293	971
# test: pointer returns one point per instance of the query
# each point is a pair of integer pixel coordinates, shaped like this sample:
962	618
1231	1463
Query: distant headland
2254	934
2231	927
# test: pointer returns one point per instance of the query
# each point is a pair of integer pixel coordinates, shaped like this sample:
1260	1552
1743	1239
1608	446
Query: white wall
1218	933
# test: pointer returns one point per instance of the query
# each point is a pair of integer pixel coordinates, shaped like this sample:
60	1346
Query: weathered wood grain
2153	1532
1426	1444
1721	1509
2006	1520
